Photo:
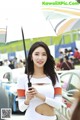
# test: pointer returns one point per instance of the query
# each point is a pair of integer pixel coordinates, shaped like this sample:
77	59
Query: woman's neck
39	72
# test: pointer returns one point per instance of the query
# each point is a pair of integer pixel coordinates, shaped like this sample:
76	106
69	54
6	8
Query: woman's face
39	57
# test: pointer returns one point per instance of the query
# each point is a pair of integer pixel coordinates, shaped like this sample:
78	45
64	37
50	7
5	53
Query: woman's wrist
41	96
26	102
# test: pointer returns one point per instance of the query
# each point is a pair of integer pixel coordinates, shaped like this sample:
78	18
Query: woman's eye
44	55
39	54
36	54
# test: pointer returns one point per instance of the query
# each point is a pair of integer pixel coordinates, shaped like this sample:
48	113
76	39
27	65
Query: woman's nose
40	56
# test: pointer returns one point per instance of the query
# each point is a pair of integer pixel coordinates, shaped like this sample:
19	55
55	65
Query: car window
64	80
75	82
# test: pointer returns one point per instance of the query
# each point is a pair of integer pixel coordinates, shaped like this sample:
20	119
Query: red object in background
67	103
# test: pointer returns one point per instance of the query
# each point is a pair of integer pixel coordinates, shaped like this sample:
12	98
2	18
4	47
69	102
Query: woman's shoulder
22	78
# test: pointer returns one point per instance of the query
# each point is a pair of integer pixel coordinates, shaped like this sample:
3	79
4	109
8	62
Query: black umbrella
26	62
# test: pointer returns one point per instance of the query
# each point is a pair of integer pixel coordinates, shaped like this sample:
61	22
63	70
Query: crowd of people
68	59
13	63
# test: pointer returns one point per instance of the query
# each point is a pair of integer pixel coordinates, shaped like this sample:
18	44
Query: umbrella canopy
29	16
66	16
37	19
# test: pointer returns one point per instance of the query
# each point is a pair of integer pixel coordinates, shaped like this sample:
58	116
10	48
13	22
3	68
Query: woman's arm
54	102
24	99
22	102
22	105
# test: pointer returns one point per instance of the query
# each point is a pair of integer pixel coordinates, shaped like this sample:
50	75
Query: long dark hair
49	67
76	112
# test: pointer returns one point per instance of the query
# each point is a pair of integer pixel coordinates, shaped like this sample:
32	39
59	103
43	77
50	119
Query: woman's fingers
32	91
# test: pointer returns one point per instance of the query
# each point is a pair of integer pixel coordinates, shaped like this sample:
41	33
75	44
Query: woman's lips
40	62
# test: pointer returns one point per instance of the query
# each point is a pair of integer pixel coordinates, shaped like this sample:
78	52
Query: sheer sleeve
56	101
21	93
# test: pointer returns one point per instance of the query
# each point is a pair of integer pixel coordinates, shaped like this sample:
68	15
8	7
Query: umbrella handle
29	83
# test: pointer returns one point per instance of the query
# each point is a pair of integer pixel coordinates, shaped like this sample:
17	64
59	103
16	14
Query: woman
76	107
45	93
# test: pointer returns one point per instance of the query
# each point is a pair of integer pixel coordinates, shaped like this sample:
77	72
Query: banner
3	32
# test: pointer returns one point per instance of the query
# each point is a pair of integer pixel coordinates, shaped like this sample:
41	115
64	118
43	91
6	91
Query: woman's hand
32	91
29	95
35	93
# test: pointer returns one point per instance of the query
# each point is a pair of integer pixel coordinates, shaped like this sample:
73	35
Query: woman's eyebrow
42	52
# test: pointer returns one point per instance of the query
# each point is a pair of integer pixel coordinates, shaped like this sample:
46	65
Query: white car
70	81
